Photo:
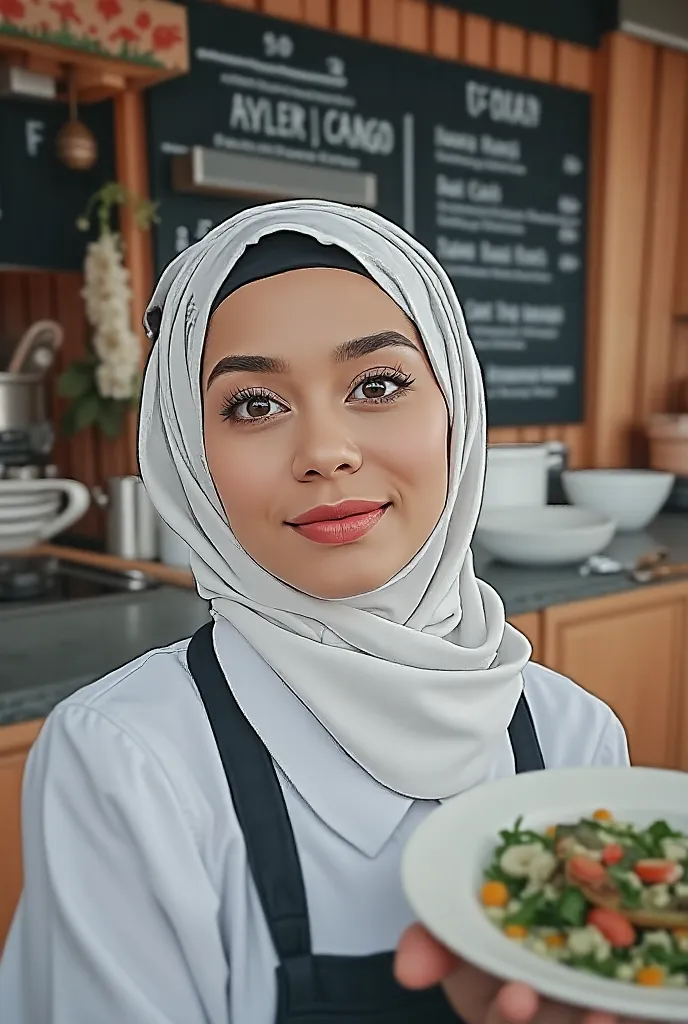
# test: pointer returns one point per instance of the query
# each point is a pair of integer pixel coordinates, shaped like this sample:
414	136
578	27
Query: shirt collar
342	794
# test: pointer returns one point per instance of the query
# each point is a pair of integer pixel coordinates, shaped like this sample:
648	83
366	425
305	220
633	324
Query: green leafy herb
572	907
527	912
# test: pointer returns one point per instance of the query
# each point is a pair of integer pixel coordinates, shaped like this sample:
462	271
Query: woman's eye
374	388
256	408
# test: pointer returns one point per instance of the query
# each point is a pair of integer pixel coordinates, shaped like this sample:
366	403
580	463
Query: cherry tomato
658	872
616	928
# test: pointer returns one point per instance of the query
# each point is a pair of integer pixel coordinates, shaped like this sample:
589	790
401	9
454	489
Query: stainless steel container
22	400
131	519
24	425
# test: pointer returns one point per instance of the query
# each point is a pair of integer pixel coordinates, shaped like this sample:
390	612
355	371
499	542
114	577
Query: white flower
115	380
107	297
528	860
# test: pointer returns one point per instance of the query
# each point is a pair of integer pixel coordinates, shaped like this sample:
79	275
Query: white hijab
417	680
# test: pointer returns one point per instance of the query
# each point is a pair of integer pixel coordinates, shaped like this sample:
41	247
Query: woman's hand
479	998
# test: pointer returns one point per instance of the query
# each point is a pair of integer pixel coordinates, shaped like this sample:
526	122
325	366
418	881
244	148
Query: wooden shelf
139	44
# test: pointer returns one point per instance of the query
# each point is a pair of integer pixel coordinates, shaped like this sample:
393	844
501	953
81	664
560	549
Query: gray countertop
48	652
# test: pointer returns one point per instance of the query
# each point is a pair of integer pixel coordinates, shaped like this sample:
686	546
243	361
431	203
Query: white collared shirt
138	904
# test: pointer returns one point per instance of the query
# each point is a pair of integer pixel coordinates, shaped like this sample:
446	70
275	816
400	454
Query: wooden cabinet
15	742
631	650
530	625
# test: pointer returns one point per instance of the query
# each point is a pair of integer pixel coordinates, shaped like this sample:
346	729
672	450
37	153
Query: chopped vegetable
495	894
616	928
603	815
599	895
612	854
652	975
585	869
658	872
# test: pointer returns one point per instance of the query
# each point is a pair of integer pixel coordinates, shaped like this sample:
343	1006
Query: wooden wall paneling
509	49
574	69
540	57
349	17
382	21
81	450
14	312
667	184
623	224
477	40
318	13
445	32
290	9
119	455
414	25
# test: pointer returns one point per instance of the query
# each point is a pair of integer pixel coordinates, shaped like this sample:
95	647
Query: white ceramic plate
445	858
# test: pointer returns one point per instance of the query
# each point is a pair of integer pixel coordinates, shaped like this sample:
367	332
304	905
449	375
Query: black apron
311	989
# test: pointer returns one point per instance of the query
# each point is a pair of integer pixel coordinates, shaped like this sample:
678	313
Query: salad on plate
599	895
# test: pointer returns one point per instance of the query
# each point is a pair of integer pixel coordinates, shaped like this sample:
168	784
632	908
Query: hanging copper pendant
75	143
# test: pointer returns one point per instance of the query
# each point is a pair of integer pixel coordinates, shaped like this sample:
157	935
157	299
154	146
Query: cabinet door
15	742
530	625
628	650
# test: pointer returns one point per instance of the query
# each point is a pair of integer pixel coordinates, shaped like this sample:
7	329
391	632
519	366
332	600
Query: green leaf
75	380
572	907
111	417
527	912
86	411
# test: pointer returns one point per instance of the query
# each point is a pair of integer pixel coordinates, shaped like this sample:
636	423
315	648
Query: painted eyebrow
346	351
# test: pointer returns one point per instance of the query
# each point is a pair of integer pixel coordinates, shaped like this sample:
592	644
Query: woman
213	832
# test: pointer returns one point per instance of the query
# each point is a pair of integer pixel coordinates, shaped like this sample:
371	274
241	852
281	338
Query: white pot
516	475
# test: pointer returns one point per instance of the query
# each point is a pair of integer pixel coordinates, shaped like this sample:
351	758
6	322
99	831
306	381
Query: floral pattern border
152	33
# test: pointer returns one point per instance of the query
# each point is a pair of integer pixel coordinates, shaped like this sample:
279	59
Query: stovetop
40	581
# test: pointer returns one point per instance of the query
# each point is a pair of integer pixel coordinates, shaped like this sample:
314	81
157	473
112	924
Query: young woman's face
317	392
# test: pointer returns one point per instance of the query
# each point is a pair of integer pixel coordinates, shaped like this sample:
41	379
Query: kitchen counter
48	653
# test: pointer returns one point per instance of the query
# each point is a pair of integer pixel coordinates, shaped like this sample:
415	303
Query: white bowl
543	534
443	866
631	497
30	510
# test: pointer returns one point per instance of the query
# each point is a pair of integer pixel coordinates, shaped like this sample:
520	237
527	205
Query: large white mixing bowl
631	497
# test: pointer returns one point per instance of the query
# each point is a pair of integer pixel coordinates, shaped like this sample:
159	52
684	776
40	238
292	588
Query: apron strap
524	741
258	801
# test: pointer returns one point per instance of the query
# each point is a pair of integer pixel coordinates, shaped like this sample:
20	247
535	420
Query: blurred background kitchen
539	149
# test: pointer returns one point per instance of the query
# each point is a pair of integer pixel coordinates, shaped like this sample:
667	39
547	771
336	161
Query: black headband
282	251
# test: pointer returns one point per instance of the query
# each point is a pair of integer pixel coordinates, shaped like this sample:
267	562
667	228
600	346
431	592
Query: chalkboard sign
41	198
501	201
293	98
487	170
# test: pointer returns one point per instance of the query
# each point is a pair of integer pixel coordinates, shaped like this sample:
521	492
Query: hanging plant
104	385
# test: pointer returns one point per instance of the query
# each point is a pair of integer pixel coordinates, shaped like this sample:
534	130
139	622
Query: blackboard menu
501	167
487	170
270	90
41	198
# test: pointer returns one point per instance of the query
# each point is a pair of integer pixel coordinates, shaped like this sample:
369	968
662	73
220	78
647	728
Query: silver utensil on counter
647	568
132	522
